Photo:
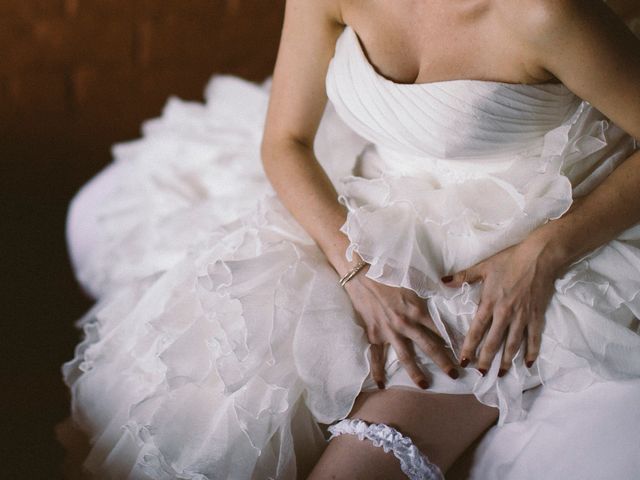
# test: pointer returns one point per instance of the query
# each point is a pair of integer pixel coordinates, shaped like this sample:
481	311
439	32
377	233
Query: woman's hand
517	286
397	315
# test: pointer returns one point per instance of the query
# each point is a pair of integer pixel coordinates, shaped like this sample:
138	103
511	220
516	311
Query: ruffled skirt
221	341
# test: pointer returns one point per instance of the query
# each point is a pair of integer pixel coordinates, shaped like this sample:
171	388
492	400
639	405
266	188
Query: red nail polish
380	385
453	373
529	363
423	384
483	371
501	372
464	361
447	279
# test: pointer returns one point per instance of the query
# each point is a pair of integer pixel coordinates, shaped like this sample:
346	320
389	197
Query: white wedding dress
221	341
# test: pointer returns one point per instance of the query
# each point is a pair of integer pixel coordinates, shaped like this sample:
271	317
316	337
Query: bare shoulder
545	23
298	97
587	46
313	17
535	20
326	10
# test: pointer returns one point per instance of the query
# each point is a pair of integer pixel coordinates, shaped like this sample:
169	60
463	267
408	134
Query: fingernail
529	363
447	279
501	372
423	384
453	373
464	361
482	371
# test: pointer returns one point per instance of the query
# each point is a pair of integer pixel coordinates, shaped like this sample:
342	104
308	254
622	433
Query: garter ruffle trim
413	462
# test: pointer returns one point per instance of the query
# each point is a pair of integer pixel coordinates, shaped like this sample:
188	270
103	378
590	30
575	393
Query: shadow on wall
77	76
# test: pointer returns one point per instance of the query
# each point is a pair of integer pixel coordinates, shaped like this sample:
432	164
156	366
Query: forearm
306	191
593	220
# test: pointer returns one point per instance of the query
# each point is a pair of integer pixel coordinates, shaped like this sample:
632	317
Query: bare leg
441	425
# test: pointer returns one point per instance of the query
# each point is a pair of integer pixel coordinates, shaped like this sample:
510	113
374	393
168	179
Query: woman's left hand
518	283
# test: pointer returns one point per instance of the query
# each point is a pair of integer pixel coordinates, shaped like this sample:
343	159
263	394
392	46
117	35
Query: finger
377	364
423	317
477	329
374	334
469	275
406	357
534	337
501	320
377	352
512	344
434	349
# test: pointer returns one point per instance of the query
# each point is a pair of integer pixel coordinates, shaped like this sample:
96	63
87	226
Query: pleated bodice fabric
450	119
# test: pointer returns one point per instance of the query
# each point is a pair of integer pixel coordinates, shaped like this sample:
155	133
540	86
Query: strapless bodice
460	168
448	119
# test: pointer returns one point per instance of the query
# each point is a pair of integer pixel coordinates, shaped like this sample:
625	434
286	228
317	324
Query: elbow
273	148
268	152
267	149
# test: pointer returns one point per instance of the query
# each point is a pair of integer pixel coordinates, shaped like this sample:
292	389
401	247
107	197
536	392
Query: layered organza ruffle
417	221
221	339
211	370
193	169
195	361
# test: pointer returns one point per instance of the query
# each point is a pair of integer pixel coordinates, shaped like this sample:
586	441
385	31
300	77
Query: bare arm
584	44
391	315
297	101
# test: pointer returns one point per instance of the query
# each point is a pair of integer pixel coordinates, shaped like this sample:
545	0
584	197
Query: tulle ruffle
182	178
441	216
222	338
219	366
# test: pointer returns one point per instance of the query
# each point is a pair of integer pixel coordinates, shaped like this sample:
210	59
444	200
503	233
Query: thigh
441	425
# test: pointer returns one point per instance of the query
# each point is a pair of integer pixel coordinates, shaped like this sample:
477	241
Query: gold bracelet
347	276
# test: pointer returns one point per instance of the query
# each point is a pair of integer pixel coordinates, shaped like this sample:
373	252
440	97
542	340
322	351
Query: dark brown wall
75	77
96	68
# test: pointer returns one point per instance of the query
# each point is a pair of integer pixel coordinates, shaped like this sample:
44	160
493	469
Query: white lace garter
413	462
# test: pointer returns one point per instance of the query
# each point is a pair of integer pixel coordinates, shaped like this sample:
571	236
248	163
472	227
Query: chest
447	119
410	41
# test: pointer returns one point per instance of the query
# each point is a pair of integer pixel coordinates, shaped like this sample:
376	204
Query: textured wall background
75	77
93	69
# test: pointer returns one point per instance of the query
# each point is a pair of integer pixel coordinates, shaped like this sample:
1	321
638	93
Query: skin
581	43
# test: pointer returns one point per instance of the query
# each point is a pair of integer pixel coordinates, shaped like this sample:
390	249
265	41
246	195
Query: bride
392	279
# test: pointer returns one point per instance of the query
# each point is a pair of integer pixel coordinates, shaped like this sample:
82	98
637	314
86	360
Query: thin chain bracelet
349	275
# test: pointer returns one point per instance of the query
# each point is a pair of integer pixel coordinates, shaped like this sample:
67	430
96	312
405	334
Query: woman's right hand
397	315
